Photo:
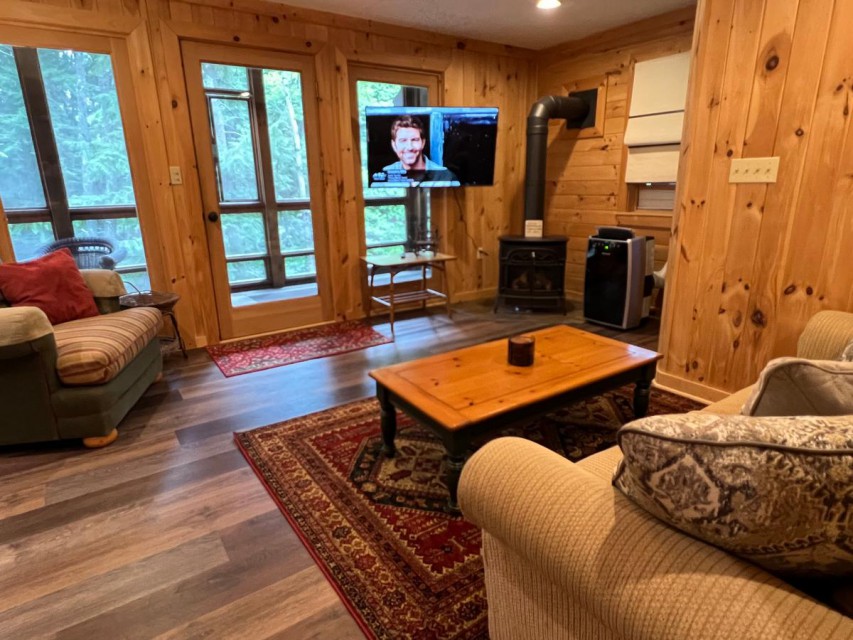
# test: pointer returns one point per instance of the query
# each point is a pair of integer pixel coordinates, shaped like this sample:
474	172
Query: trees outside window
64	169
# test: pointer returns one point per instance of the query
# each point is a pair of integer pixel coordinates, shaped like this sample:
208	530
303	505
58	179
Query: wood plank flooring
167	533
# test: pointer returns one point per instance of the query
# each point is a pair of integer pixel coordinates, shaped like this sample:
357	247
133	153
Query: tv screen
431	146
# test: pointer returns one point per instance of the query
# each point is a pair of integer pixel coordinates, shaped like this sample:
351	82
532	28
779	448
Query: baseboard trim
688	388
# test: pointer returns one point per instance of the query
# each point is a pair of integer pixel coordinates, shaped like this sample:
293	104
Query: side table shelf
394	265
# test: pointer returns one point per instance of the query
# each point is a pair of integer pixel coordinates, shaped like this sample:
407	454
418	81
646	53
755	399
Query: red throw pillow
52	283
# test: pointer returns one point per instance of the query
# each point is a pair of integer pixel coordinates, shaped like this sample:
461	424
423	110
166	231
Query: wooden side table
161	300
393	265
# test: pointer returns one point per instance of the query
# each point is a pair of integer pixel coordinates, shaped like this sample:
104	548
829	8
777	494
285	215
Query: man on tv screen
414	168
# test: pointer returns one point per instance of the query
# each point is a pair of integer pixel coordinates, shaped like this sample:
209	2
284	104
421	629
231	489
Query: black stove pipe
544	109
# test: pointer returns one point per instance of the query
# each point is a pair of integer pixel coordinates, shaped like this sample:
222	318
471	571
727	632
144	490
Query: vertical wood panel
752	263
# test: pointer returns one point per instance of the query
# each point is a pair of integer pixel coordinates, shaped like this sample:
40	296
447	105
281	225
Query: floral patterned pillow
776	490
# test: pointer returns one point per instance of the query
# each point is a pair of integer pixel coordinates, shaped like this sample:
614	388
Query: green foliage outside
83	106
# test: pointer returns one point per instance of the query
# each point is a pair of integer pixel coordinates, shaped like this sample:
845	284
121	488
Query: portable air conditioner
618	283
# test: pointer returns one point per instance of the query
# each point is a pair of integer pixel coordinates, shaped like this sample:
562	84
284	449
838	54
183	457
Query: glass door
250	119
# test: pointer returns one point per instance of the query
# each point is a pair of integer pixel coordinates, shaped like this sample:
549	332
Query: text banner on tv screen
431	146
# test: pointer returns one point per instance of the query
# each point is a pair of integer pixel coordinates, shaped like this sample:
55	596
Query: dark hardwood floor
167	533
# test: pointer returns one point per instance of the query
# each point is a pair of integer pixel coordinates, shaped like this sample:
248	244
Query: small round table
161	300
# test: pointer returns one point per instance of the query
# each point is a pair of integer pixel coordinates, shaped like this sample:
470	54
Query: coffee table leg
456	450
641	391
388	421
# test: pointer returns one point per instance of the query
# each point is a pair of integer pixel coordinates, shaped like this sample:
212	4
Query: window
656	196
257	128
64	170
394	219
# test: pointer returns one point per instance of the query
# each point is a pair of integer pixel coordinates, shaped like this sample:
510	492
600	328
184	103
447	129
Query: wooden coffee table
467	393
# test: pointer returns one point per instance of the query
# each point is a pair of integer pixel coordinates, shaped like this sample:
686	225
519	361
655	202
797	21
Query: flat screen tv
431	146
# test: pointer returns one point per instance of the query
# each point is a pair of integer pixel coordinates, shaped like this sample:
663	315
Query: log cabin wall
471	73
751	263
585	185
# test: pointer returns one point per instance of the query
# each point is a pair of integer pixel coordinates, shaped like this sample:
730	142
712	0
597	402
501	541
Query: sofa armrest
104	283
19	325
637	576
826	335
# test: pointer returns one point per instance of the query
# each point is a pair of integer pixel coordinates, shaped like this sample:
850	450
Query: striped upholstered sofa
76	379
567	556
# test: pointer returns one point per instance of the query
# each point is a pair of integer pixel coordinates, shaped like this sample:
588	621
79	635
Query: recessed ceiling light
548	4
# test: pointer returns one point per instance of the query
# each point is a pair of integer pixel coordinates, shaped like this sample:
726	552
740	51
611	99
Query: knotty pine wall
471	72
751	263
585	175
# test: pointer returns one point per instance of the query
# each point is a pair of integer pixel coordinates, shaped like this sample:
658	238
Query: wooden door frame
235	322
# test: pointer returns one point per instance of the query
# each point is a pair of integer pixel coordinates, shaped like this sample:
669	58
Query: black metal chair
89	253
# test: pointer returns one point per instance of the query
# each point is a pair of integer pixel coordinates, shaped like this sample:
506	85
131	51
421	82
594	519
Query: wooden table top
466	386
408	260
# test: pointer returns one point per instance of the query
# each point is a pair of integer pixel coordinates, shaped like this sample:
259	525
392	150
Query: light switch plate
754	169
175	176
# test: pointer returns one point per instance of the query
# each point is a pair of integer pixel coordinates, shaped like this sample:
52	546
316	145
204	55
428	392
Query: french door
256	139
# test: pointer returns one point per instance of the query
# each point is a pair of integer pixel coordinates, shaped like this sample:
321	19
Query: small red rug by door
277	350
379	529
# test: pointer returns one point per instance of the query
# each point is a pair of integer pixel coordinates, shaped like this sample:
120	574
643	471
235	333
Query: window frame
57	210
416	201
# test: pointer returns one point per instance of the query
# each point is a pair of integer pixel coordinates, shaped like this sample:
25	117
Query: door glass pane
235	149
81	94
247	271
20	185
296	230
283	91
29	237
224	76
243	234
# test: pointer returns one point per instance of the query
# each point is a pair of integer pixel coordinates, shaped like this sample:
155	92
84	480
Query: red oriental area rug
277	350
379	529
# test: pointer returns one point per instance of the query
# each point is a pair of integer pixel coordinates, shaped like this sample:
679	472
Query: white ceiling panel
514	22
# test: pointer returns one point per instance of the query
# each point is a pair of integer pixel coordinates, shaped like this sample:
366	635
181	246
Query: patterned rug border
315	556
385	340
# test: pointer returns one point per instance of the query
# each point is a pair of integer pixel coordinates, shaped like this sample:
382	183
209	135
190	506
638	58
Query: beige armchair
568	556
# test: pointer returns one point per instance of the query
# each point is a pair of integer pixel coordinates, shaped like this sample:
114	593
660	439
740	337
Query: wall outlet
754	170
175	176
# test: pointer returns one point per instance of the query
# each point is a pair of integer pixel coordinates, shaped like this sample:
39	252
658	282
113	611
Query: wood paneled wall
751	263
471	72
585	174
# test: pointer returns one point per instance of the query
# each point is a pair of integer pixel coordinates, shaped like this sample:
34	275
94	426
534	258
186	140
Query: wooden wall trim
244	37
15	12
672	23
289	13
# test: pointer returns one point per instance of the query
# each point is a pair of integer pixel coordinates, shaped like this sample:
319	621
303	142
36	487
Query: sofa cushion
801	387
773	490
94	350
51	283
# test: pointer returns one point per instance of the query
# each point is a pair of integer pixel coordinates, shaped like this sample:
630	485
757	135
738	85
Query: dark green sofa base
51	411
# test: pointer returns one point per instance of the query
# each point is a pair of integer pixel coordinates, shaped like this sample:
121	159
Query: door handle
213	216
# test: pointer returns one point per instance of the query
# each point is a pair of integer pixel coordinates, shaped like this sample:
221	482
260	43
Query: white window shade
664	128
657	163
660	85
653	134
